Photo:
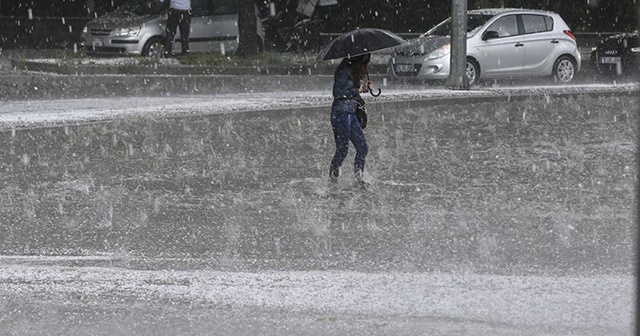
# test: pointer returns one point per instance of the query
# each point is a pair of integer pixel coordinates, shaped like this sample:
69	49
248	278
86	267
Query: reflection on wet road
42	295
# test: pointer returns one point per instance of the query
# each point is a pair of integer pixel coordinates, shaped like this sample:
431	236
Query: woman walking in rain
350	80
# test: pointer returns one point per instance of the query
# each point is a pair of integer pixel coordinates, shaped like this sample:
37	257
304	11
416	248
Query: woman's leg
341	125
362	148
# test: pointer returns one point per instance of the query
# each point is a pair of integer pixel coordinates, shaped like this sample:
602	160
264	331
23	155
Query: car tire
472	71
564	69
154	47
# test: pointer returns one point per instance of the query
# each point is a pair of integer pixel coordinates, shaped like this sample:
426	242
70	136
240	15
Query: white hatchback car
501	43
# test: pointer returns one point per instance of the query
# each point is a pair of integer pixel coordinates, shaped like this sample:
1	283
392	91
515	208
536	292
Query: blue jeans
346	127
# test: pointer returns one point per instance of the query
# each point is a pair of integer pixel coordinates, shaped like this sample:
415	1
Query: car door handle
555	41
519	44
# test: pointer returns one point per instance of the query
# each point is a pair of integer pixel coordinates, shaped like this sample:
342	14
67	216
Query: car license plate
609	60
405	68
96	42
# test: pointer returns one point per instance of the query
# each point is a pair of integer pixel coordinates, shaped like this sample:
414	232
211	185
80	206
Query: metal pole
637	214
457	78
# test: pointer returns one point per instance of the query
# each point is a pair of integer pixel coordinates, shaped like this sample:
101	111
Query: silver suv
501	43
138	27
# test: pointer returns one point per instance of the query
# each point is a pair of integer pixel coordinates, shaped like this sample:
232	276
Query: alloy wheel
565	70
471	72
156	49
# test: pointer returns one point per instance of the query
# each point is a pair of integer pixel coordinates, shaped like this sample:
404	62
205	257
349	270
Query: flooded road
170	216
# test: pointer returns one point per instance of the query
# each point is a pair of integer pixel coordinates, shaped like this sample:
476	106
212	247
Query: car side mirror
490	34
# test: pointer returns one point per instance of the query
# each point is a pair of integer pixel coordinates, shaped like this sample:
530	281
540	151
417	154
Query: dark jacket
345	89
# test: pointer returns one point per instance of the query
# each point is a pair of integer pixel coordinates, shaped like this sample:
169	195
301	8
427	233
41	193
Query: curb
47	86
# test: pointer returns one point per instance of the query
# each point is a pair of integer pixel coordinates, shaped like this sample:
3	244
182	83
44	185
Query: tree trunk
249	44
457	77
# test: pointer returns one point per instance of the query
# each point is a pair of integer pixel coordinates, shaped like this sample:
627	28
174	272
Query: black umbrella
360	42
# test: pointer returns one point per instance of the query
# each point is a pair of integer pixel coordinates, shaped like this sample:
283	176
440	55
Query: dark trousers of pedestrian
175	19
346	128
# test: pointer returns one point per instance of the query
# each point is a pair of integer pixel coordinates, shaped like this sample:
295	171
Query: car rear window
536	23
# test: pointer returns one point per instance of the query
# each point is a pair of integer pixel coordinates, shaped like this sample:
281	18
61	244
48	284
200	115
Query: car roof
496	11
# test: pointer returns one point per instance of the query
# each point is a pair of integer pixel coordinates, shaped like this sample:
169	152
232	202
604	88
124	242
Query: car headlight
440	52
131	31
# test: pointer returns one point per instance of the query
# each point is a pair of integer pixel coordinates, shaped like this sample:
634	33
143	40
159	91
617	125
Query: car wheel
154	47
564	70
472	71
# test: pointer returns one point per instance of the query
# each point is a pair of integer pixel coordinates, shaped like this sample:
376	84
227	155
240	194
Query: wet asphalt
538	188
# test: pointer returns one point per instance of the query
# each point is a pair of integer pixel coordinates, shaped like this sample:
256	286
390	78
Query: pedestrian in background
179	16
350	80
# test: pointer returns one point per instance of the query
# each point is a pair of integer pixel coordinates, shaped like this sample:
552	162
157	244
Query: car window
549	22
473	22
505	26
536	23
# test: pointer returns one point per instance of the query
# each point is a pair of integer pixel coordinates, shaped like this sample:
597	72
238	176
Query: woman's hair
359	66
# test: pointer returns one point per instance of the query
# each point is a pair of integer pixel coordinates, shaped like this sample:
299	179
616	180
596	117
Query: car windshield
474	21
138	8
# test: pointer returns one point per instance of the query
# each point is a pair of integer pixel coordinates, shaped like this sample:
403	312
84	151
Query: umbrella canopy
359	42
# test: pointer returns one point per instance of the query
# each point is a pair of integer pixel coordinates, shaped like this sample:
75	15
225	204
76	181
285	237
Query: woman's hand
366	87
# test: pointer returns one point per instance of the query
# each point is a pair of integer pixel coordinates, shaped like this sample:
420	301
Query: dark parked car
617	54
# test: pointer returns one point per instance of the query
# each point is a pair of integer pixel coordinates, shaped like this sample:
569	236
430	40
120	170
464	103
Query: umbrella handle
371	92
